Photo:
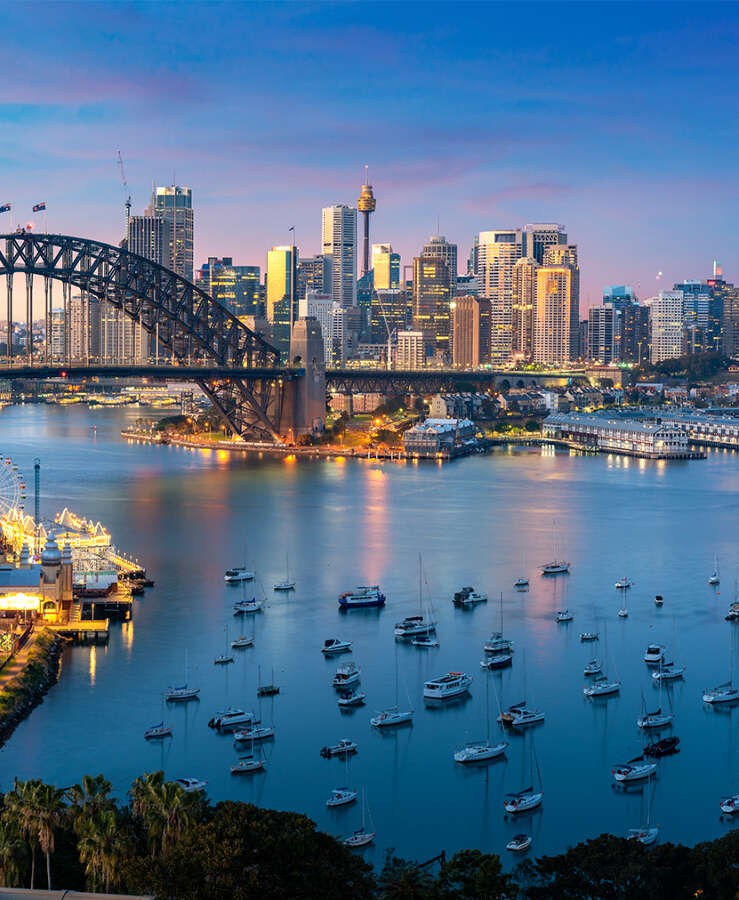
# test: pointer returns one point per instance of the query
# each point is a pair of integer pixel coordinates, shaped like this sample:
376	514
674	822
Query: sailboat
238	573
249	764
600	686
392	715
416	625
226	657
668	671
556	566
623	613
644	834
528	798
181	692
522	582
158	731
726	692
287	584
501	650
481	751
343	795
715	575
656	719
266	690
362	836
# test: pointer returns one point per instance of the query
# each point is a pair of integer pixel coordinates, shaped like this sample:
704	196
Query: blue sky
618	120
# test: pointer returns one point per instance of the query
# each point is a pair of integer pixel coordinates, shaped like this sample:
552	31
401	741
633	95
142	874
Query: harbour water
189	515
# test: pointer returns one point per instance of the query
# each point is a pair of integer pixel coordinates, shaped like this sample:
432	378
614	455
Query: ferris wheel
12	487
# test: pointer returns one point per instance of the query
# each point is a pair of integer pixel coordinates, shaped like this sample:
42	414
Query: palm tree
142	793
175	809
401	879
50	810
101	847
89	798
20	810
12	849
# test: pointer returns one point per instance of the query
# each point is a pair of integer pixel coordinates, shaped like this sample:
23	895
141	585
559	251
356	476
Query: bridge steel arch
187	322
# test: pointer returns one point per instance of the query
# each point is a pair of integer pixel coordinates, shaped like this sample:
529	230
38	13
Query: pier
85	629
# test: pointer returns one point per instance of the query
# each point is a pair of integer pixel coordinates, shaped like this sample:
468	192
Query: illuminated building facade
523	302
339	245
470	332
497	253
556	316
386	267
236	287
282	304
437	247
174	204
666	321
431	299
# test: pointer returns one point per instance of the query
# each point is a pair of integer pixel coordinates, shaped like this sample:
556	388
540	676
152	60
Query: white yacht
715	575
479	751
645	836
654	654
668	672
230	711
190	785
592	668
348	699
589	636
345	747
623	613
555	568
248	765
519	843
223	658
656	719
341	796
240	573
564	615
230	721
287	584
624	584
496	643
450	685
241	642
425	640
413	625
247	606
722	693
387	718
600	686
365	595
363	835
523	801
522	582
346	675
635	770
255	733
523	717
335	645
158	731
180	694
730	805
473	598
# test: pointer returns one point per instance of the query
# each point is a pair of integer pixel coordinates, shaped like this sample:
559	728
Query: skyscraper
602	324
540	236
410	350
667	322
366	205
470	331
313	275
339	244
524	298
438	247
556	316
236	287
151	236
431	298
386	267
391	313
84	326
174	204
497	254
282	308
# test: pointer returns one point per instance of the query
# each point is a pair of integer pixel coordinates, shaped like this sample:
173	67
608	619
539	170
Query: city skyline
480	137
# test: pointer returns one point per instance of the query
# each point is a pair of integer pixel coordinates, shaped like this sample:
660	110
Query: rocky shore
23	692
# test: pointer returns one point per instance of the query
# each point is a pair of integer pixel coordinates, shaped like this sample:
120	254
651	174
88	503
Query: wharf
91	629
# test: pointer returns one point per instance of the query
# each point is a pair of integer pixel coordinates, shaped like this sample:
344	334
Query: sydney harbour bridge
200	339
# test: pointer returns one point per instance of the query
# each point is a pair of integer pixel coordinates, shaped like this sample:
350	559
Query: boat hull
525	803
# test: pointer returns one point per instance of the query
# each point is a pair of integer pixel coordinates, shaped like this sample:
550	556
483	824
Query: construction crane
126	195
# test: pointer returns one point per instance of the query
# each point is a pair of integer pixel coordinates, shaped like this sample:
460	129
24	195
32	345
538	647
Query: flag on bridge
39	207
5	207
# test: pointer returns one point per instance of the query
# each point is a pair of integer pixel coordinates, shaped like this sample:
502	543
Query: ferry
365	595
450	685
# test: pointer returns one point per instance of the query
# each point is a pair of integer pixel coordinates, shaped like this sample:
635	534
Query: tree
532	425
164	808
101	847
12	854
50	810
401	879
90	797
472	875
20	812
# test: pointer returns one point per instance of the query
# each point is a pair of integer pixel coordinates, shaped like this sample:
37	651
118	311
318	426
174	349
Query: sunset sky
618	120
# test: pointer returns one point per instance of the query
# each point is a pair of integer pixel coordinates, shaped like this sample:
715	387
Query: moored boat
663	747
600	686
158	731
635	770
190	785
654	654
730	805
387	718
335	645
413	625
239	573
592	668
425	640
248	765
363	596
497	661
346	675
450	685
564	615
519	843
341	796
589	636
255	733
348	699
345	747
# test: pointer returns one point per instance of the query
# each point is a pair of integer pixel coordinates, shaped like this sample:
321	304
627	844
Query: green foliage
502	427
532	425
696	367
472	875
401	879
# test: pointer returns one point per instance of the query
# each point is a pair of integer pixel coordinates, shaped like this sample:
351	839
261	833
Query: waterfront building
386	267
602	322
431	299
438	437
236	287
411	350
632	437
556	315
41	589
497	252
523	303
437	247
339	245
709	430
667	326
313	275
174	204
470	332
281	298
540	236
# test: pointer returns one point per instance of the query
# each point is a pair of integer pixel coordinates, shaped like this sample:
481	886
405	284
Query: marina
371	515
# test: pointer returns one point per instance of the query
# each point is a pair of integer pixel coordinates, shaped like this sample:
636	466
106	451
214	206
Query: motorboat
285	585
733	614
623	613
722	693
341	796
240	573
564	615
222	659
523	717
663	747
654	654
461	595
190	785
668	672
523	801
391	716
659	600
470	599
413	625
557	567
624	584
351	698
335	645
714	578
450	685
589	636
600	686
365	595
497	661
656	719
645	836
346	675
519	843
181	693
479	751
496	643
158	731
241	642
592	668
507	715
248	765
345	747
425	640
255	733
242	607
520	583
730	805
230	718
635	770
